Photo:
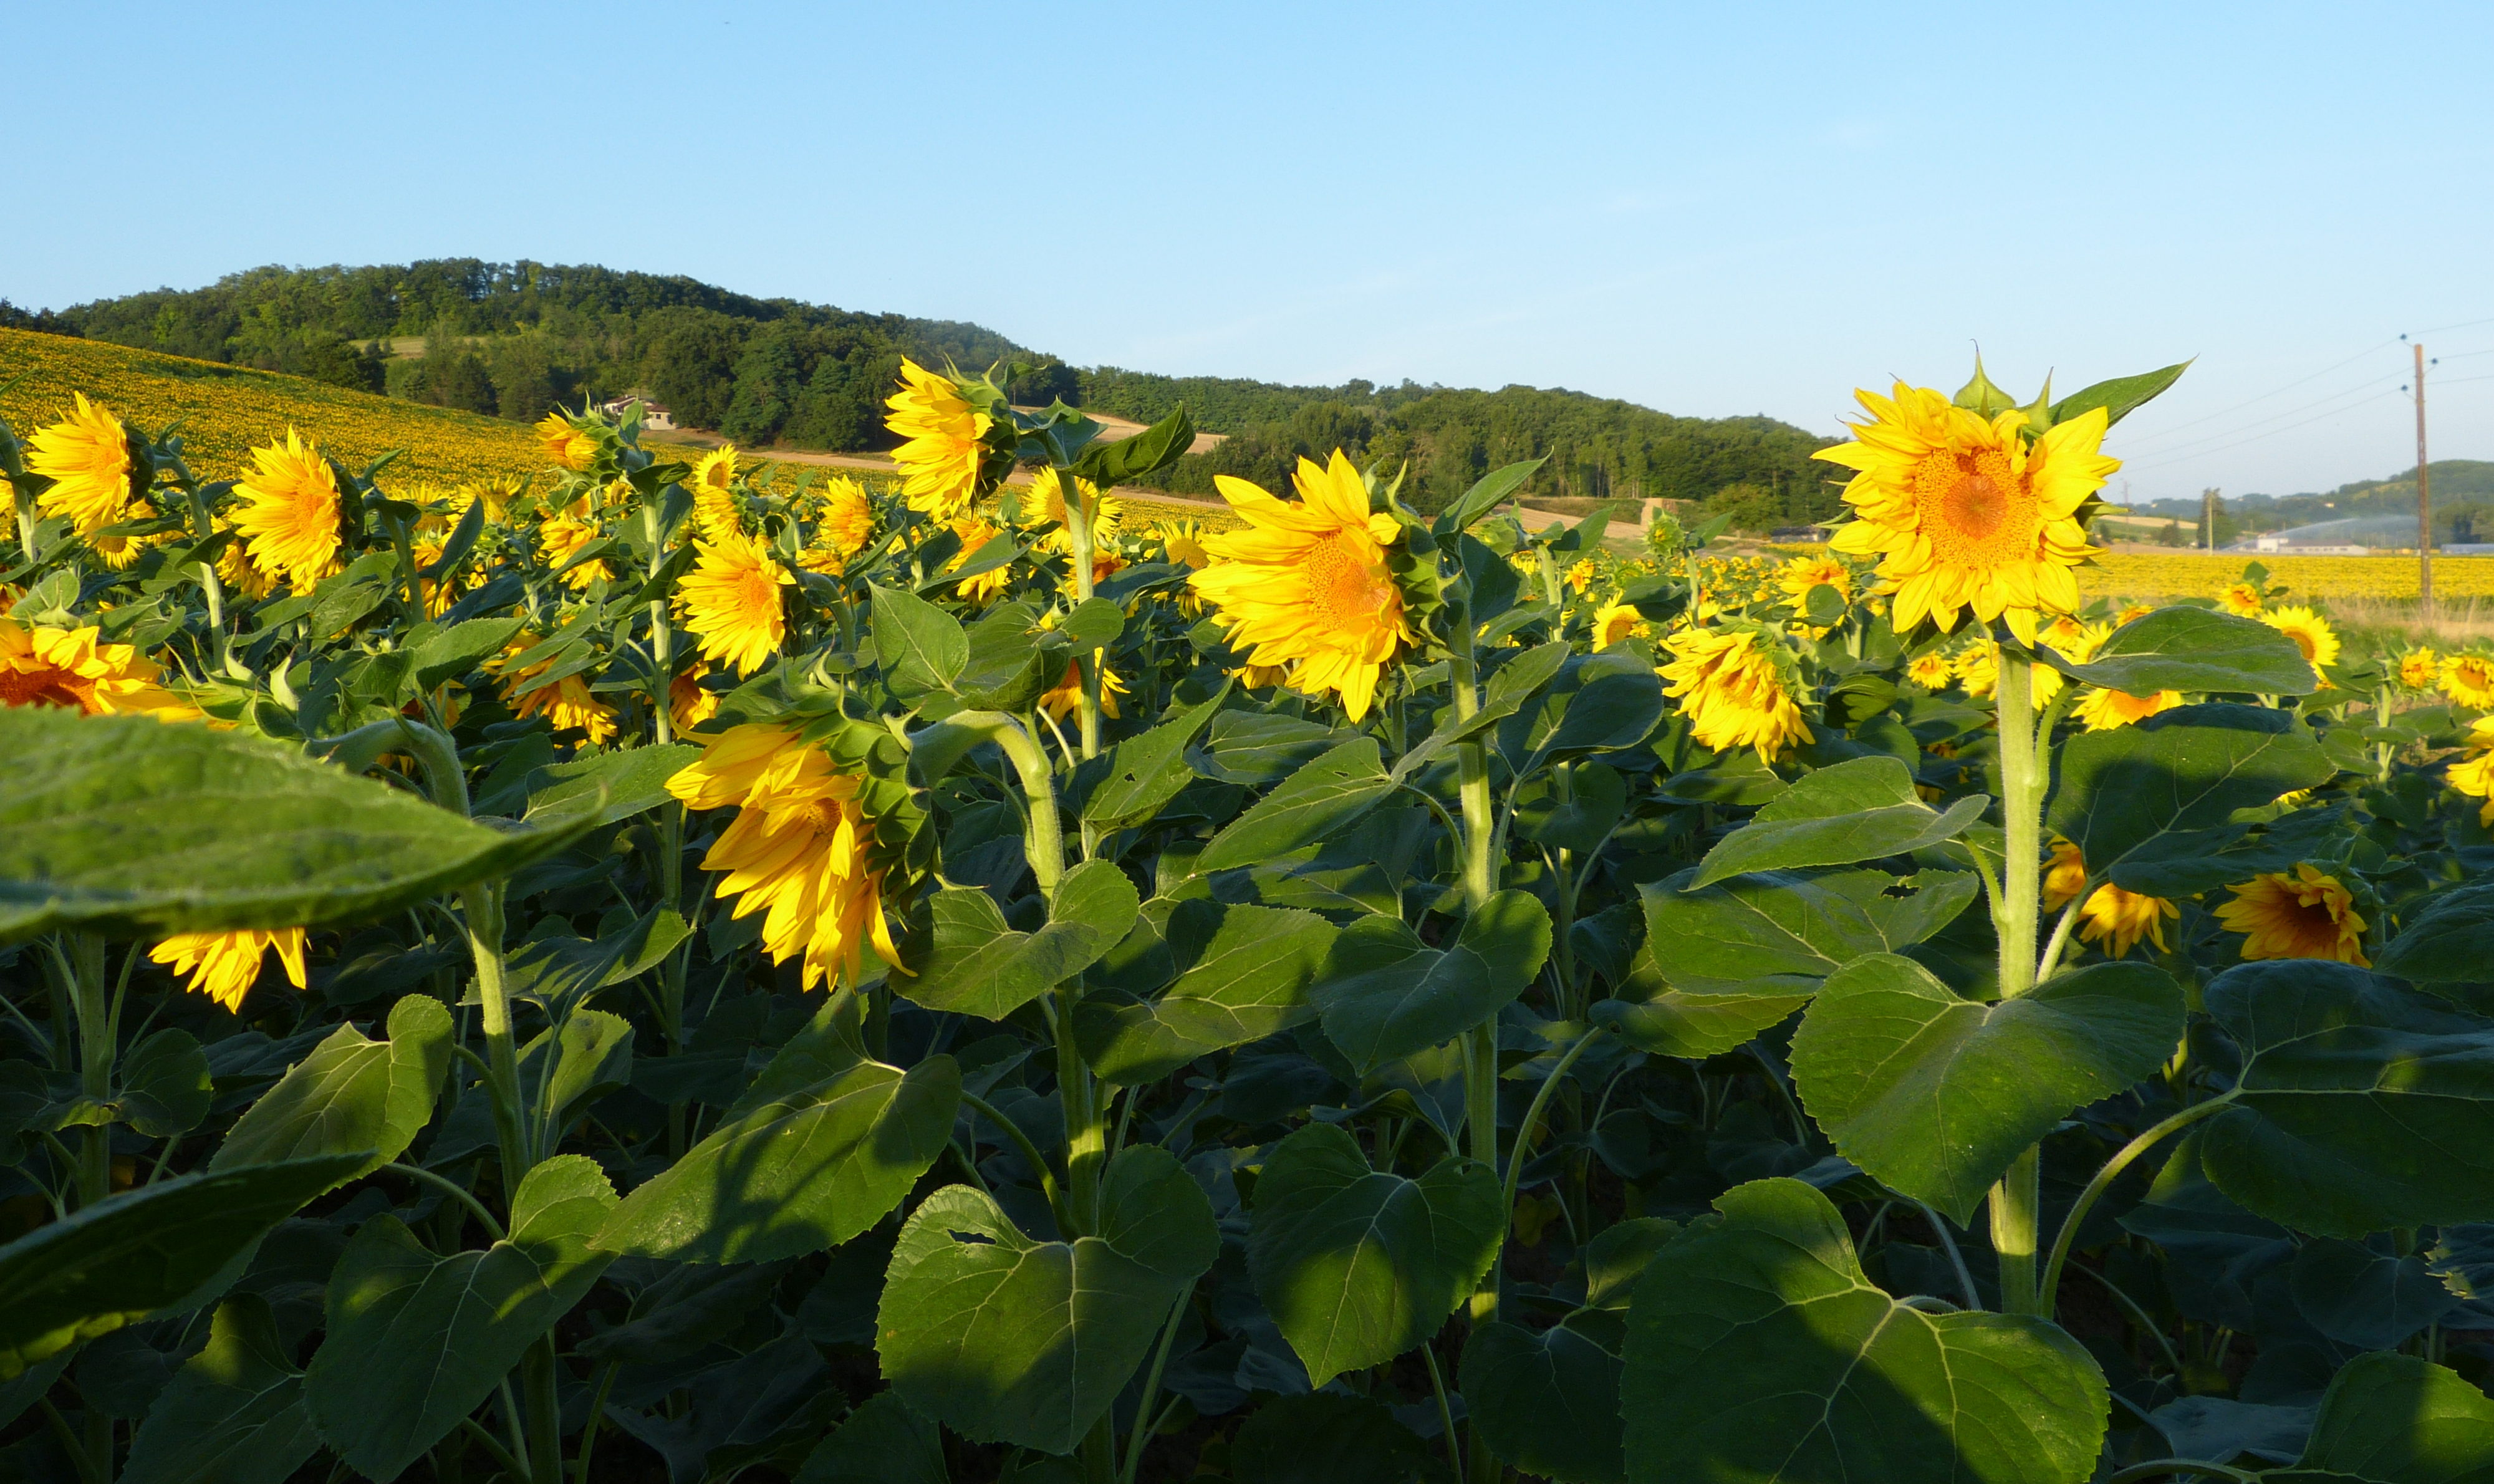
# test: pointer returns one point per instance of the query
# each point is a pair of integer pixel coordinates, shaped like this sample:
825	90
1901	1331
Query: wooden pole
2424	504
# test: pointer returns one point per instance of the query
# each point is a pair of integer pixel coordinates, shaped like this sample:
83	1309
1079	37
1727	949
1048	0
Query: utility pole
2424	504
2208	519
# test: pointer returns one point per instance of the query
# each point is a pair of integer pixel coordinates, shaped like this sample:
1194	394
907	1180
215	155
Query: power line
2264	396
2177	450
2255	438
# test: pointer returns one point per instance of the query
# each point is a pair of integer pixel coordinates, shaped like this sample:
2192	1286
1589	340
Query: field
2149	576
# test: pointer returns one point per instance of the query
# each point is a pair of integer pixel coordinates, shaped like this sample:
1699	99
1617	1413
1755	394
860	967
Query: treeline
2463	504
515	339
1756	469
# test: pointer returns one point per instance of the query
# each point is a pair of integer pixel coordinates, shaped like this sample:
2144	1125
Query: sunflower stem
2016	1199
483	921
671	816
95	1064
1077	531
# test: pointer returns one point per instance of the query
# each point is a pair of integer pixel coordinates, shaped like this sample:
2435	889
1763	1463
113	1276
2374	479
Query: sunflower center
1347	592
1975	508
2303	642
44	686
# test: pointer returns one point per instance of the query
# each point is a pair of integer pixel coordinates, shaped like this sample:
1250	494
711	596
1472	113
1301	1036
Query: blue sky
1710	209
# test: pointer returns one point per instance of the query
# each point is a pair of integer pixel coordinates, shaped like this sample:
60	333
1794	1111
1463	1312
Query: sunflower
1066	697
2131	613
1183	540
2242	599
225	965
688	703
1580	573
1257	677
2469	679
2300	914
802	848
975	532
240	574
565	536
1978	668
1307	584
2474	777
564	443
2065	875
290	515
87	456
1963	513
1613	622
568	703
68	668
714	512
1930	669
1736	686
731	600
1802	573
844	527
2418	668
121	553
2310	632
944	441
2116	920
2101	709
1046	503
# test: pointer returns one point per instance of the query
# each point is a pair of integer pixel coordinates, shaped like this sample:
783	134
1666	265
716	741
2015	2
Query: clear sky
1709	208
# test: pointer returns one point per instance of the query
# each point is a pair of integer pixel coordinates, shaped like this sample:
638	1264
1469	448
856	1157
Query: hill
2363	511
514	338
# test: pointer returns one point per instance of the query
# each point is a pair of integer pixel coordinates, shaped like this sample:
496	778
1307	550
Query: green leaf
129	826
1145	771
1124	459
1484	496
1358	1265
1597	799
2187	769
1516	682
977	965
2196	650
1549	1403
881	1442
1385	994
233	1414
1250	980
1320	799
1326	1438
2119	397
1933	1096
2361	1105
632	780
2369	1299
1004	1339
2395	1419
593	1057
1008	667
446	654
1865	810
350	1093
164	1086
823	1144
921	647
1757	1349
418	1341
1778	933
131	1254
2446	943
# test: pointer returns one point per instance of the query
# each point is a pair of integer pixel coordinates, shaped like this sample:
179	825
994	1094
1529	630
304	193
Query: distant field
2147	575
224	410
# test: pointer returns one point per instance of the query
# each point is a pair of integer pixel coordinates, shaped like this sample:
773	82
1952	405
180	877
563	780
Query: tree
693	371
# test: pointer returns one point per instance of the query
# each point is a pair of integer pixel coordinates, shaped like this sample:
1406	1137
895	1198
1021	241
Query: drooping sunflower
1963	513
2469	679
2310	632
567	702
731	600
120	552
975	531
2419	669
290	513
689	703
1930	669
2101	709
843	529
1307	586
1978	668
563	536
240	574
87	456
1613	622
2242	599
225	965
70	667
1736	684
2065	875
2112	919
1065	697
2305	913
944	441
564	443
1802	573
802	848
714	512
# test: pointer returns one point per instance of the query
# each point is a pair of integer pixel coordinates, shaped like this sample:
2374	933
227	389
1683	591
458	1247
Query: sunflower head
71	669
2306	913
714	489
2116	920
843	526
1930	669
1802	573
1738	686
730	601
565	536
975	532
1311	584
2242	599
566	443
2101	709
2065	875
1964	513
290	513
2310	632
2131	613
944	449
2469	679
2419	669
86	455
1613	622
1044	504
1183	540
225	965
1065	697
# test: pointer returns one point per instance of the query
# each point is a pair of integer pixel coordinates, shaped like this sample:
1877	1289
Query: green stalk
28	518
95	1064
670	826
2104	1179
2016	1201
1078	530
483	921
1481	1042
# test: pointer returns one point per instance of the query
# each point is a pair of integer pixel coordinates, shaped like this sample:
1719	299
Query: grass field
224	410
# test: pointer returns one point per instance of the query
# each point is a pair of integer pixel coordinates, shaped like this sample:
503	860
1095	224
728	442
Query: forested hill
515	339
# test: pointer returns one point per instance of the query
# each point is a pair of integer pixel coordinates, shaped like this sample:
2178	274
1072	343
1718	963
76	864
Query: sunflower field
634	975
